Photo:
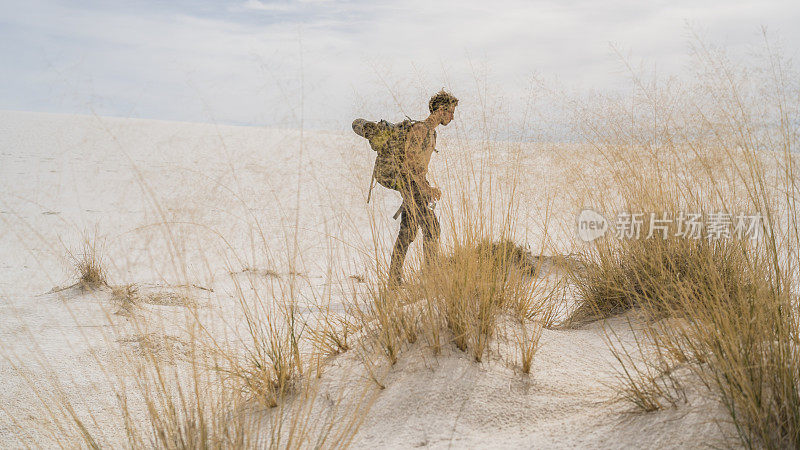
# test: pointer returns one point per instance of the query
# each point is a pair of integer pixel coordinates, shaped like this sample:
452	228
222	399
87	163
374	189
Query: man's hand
435	194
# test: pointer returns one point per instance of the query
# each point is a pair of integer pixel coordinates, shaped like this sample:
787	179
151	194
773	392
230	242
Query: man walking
417	192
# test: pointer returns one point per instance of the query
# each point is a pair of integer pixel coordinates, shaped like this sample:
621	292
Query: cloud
271	6
209	61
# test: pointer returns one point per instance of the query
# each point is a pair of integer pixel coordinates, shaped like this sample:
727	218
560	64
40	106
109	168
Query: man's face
447	114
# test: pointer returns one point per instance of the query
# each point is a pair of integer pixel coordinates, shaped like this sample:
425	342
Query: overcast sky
273	62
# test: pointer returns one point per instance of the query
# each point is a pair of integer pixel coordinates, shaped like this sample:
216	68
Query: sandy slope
565	402
181	209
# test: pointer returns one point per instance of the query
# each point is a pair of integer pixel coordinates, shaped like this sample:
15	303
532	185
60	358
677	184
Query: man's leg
408	231
426	218
431	231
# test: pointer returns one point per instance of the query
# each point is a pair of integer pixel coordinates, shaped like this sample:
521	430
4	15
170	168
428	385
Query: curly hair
441	99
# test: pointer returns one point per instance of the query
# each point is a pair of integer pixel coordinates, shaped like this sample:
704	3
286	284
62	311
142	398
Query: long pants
415	214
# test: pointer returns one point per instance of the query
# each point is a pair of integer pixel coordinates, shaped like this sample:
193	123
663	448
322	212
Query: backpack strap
372	181
399	210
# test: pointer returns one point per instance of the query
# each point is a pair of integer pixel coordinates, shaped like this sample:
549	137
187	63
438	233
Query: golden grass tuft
89	265
464	300
725	308
655	273
473	286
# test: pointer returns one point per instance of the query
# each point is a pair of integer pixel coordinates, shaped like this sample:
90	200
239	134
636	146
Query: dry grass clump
725	141
217	395
647	375
733	328
509	254
270	372
205	418
209	409
664	278
747	353
474	285
271	365
254	389
463	300
658	273
89	265
333	332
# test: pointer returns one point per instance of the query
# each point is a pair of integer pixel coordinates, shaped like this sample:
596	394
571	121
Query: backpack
388	140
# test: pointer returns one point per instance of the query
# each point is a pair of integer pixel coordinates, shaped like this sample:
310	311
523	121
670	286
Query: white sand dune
189	211
452	401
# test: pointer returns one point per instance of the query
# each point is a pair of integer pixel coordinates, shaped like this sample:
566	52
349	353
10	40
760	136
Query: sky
319	64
